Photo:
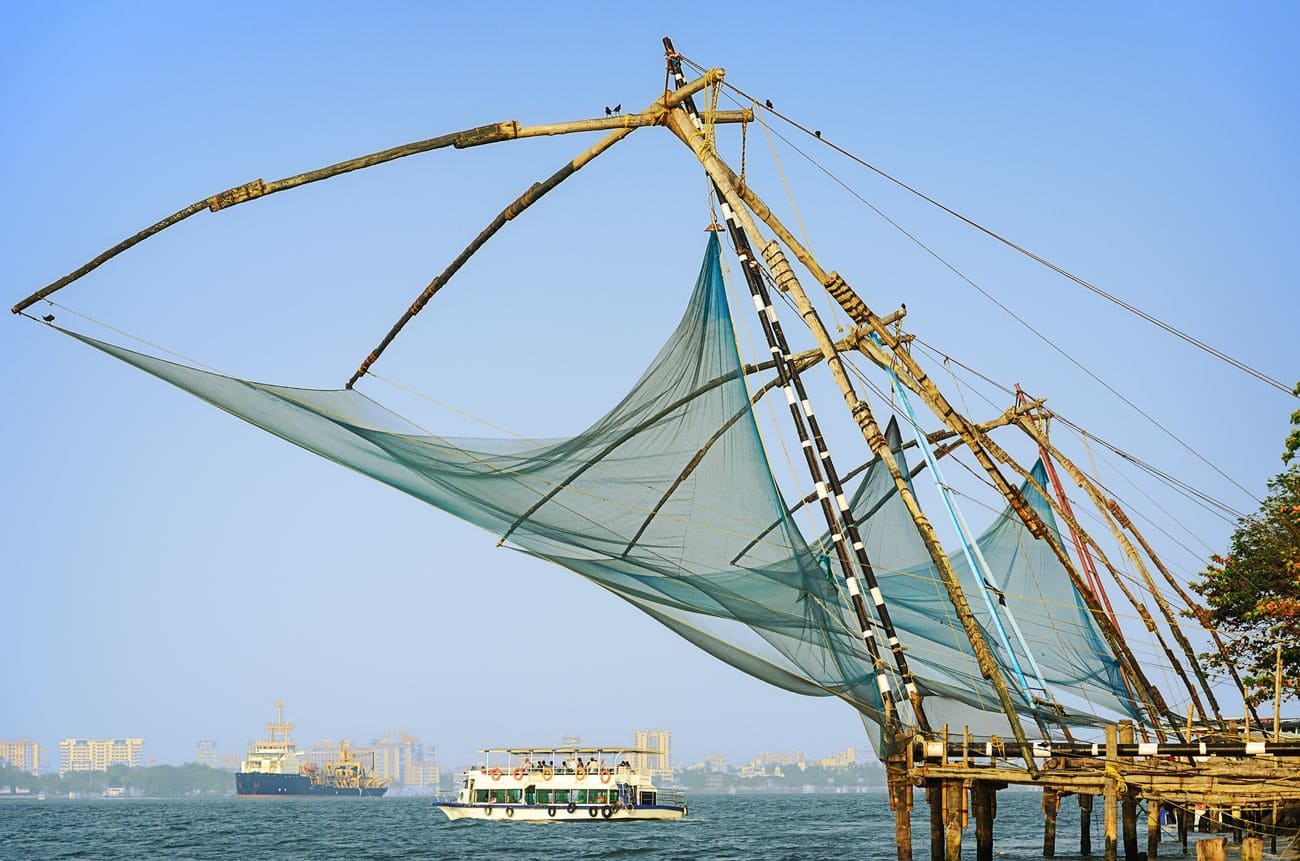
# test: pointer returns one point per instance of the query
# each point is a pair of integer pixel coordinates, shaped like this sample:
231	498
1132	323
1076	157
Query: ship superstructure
274	768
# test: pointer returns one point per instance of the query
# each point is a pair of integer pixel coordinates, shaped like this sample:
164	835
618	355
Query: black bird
608	112
618	109
48	318
768	102
818	133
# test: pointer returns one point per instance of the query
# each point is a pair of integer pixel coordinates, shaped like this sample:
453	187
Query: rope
1059	270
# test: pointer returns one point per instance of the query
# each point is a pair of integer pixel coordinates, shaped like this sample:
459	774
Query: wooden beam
518	205
477	136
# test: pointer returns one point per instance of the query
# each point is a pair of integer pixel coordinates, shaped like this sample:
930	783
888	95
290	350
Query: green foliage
1253	592
1293	440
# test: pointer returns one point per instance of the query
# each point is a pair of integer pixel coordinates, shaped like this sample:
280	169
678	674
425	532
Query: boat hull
267	785
558	812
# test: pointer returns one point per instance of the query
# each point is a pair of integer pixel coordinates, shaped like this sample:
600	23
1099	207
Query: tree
1253	592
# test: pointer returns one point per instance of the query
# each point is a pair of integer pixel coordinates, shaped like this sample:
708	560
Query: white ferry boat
589	784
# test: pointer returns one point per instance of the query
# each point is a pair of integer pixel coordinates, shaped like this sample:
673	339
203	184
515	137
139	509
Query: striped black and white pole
830	492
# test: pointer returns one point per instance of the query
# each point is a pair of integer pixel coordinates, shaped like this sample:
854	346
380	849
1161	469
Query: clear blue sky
170	572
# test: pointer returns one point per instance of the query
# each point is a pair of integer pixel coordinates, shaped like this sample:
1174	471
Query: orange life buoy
605	775
547	773
580	772
495	773
518	773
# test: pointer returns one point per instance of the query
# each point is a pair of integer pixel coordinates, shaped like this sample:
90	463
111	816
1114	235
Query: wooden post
934	798
1111	796
1153	827
1129	804
1051	804
1277	697
981	802
954	796
1183	816
1210	849
900	800
1085	824
1252	849
1273	829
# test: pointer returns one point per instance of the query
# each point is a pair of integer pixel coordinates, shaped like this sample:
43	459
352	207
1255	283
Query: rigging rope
1059	270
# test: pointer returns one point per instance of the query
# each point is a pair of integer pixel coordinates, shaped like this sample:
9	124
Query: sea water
830	826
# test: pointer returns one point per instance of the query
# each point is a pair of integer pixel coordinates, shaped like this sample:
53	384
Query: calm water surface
840	827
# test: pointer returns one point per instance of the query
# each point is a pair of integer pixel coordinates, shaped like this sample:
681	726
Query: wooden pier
1248	790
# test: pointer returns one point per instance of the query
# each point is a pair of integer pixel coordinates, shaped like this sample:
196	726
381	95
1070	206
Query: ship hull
558	813
266	785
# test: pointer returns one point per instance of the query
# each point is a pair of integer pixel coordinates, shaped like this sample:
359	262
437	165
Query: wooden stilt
1111	796
1129	804
1153	828
983	800
1051	804
1183	822
1210	849
1273	829
900	801
1085	824
934	798
1252	849
954	796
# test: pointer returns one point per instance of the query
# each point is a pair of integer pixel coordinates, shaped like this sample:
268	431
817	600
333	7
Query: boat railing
670	798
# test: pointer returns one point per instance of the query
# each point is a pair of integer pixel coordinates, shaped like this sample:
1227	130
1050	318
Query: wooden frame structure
1214	764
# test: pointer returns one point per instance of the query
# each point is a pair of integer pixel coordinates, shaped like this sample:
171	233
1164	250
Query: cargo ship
274	768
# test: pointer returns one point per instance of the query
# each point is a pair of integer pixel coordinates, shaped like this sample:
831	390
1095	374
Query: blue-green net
656	499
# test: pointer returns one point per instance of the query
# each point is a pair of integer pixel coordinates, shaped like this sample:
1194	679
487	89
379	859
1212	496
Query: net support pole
681	125
830	490
979	566
981	445
1104	508
477	136
518	205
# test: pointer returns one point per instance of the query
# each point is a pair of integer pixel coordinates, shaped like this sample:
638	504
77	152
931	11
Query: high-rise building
423	773
658	763
23	753
230	761
206	753
840	759
97	754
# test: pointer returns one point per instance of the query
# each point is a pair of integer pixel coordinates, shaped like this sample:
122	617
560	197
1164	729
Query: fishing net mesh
668	502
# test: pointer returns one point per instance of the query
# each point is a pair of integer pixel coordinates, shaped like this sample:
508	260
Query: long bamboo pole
817	458
478	136
915	379
722	177
1197	610
1105	509
656	110
839	516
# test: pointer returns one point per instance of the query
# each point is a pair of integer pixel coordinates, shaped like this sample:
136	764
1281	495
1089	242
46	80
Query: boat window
561	796
481	795
543	796
580	796
514	795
